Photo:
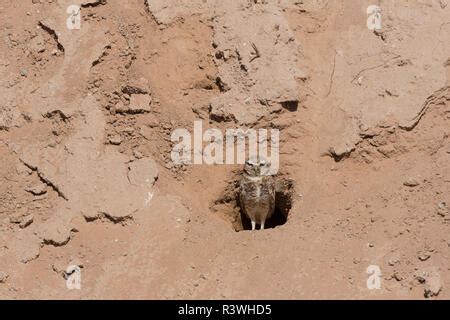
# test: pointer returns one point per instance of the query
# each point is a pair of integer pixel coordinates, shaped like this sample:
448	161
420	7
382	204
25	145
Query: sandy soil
86	117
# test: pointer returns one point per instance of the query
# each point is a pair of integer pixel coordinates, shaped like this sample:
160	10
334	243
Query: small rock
206	84
115	140
56	236
37	44
22	169
139	103
424	256
411	182
420	278
3	277
432	287
397	276
26	221
432	282
143	172
139	87
16	219
392	262
360	80
387	151
137	154
442	209
37	190
340	152
168	165
128	130
30	253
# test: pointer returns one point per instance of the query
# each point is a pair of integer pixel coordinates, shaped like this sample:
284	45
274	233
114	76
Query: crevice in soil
94	4
44	179
53	33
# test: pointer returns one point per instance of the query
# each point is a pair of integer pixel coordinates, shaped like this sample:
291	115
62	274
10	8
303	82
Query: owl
257	191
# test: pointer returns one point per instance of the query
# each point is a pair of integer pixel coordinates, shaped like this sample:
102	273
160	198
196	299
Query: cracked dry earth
86	177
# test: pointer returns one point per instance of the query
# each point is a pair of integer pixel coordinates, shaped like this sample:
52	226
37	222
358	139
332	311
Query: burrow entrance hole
228	205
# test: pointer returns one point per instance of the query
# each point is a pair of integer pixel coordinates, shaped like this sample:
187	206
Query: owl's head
256	167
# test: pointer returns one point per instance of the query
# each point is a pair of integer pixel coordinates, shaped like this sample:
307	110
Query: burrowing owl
257	192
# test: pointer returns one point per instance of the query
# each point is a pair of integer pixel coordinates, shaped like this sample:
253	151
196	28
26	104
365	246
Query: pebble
392	262
26	221
424	256
442	209
431	281
168	165
3	277
137	154
37	190
397	276
411	182
432	288
115	140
